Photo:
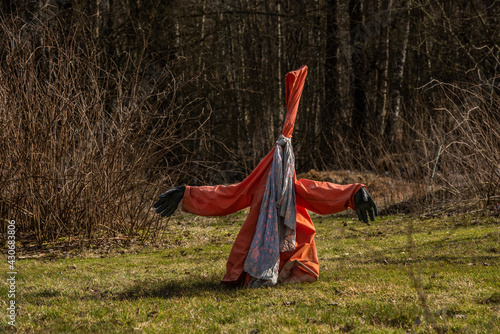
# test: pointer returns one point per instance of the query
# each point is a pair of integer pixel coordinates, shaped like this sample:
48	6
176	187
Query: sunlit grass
442	276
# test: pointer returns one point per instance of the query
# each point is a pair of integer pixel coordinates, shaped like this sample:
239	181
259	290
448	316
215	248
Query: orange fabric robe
319	197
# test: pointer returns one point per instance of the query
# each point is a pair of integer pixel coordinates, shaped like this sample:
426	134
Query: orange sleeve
223	200
325	197
216	200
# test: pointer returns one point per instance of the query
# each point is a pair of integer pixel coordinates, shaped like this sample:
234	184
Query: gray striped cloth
275	229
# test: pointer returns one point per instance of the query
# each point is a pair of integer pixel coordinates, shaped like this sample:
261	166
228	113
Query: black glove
364	202
169	201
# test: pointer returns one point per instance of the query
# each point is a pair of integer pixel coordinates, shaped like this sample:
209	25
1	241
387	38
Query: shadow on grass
166	288
174	288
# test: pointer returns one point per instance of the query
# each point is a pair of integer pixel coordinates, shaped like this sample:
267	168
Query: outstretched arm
204	201
217	200
327	198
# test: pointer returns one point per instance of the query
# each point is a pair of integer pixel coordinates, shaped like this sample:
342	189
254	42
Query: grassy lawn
443	276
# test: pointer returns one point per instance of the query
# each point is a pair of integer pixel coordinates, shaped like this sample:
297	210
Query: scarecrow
276	242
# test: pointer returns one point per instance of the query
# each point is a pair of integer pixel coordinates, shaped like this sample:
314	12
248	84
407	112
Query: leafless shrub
450	147
459	137
85	145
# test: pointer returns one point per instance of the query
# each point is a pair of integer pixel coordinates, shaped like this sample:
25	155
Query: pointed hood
294	83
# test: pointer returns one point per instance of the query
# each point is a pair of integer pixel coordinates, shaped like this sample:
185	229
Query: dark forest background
104	103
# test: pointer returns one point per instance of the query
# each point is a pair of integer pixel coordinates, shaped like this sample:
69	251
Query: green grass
443	276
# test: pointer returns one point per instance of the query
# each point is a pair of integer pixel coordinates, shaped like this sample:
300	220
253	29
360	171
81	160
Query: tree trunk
344	63
383	79
393	126
359	62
